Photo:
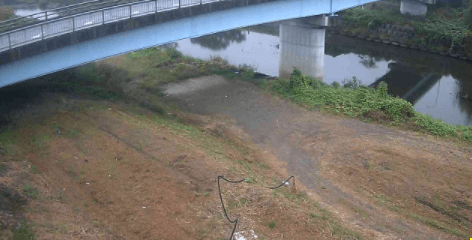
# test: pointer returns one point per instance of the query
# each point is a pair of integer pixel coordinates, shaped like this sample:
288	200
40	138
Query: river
436	85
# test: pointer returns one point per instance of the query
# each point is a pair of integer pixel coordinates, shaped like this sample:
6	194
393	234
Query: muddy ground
73	168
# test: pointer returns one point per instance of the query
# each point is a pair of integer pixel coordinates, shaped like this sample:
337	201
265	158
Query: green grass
251	180
150	68
154	67
272	225
42	140
449	23
157	66
3	169
358	101
435	224
30	191
24	232
93	80
8	140
346	233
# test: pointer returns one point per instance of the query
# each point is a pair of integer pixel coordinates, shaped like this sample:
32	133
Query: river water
436	85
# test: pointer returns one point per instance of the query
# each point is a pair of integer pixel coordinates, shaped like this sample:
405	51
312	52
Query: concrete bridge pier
415	7
302	46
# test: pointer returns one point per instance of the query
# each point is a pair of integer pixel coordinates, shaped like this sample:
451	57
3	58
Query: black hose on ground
240	181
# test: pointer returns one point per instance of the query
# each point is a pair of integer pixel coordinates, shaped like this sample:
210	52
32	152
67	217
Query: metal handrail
50	10
66	24
46	15
92	5
76	15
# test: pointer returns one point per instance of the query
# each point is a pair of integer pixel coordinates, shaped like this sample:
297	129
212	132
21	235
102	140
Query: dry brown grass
128	173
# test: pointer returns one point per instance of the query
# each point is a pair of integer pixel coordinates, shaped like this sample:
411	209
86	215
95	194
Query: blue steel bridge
74	35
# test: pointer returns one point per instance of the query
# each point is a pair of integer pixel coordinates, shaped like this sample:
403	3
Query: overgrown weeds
355	100
24	232
30	191
99	81
449	25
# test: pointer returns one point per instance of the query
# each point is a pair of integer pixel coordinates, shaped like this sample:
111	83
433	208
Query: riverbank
157	118
141	75
355	100
96	169
443	31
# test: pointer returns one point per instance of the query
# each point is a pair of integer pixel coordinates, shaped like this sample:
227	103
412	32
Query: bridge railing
67	24
58	12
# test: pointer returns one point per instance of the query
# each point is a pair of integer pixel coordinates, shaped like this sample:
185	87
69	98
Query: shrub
440	24
356	100
174	54
353	100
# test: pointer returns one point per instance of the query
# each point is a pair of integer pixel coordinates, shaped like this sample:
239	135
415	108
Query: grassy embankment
51	212
442	27
42	201
138	76
359	101
150	68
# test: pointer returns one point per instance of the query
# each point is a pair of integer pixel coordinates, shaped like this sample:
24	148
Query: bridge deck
62	43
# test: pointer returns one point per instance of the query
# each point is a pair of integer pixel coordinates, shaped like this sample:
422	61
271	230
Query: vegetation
6	13
147	69
449	25
30	191
96	81
24	232
352	100
355	100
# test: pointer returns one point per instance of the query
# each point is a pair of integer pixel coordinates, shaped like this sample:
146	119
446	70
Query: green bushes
356	100
468	19
353	99
444	23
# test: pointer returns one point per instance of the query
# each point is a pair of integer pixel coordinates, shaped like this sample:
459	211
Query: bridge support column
302	46
415	8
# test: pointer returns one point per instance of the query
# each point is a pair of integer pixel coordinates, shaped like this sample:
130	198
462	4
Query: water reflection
406	82
220	41
436	85
464	97
367	61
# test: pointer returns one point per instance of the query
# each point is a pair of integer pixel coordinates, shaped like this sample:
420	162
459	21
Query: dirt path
387	183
